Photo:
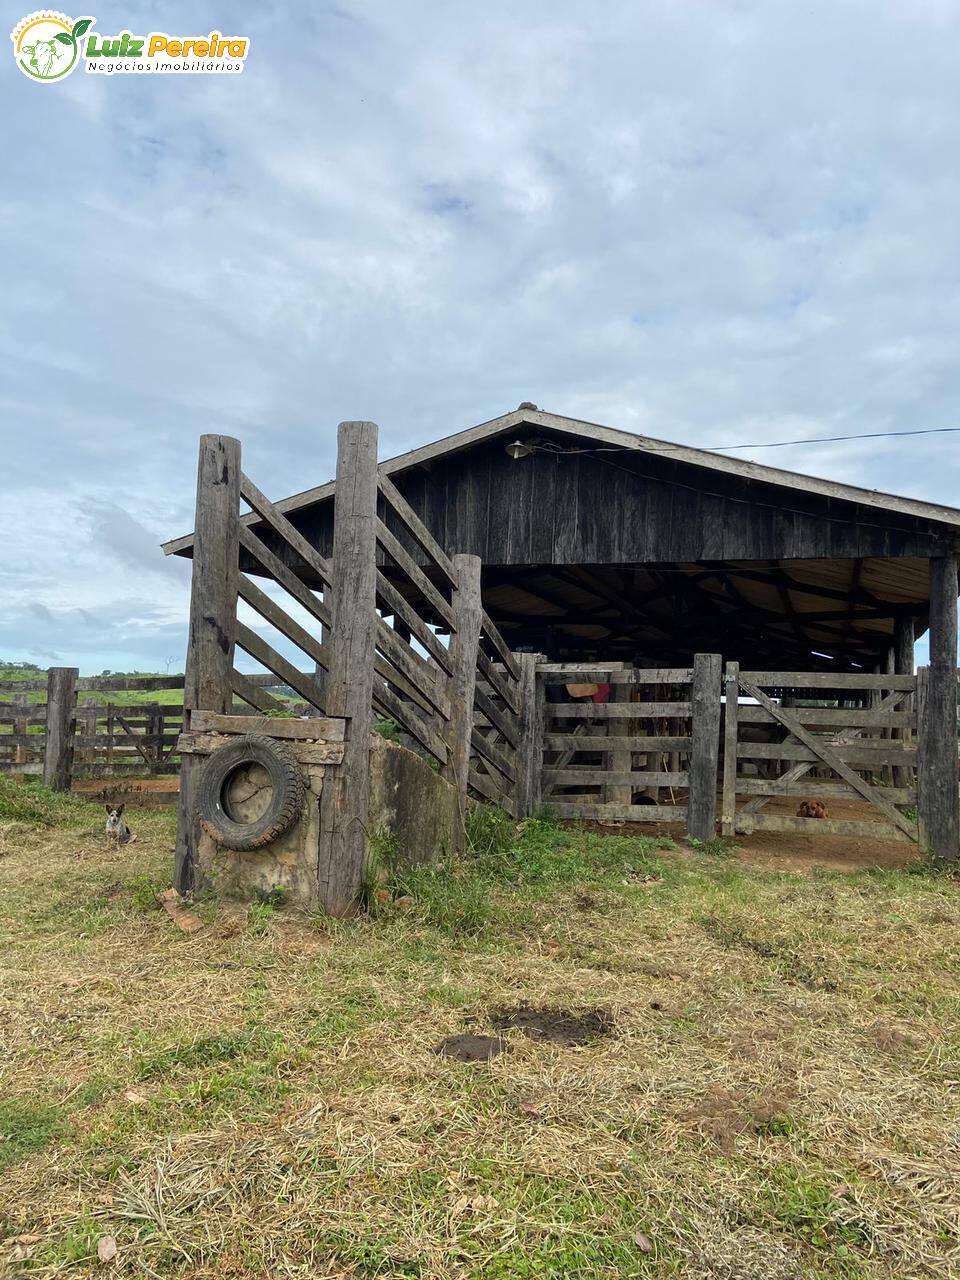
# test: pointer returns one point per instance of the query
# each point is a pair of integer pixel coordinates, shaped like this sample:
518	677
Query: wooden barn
597	543
610	555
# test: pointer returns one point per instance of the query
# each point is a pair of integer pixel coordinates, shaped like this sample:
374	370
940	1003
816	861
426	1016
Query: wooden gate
819	737
625	743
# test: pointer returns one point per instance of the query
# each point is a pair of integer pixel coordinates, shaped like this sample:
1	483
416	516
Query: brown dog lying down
812	809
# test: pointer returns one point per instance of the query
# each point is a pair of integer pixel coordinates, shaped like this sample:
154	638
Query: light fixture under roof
519	449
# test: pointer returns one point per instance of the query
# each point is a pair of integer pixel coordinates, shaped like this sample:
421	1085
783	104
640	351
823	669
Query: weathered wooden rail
648	753
868	736
73	734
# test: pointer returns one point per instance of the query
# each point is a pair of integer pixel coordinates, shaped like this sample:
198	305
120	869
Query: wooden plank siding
596	542
488	509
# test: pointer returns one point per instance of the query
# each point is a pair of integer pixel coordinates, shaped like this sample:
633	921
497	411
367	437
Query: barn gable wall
621	508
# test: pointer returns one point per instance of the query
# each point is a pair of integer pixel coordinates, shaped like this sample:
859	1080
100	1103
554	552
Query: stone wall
289	863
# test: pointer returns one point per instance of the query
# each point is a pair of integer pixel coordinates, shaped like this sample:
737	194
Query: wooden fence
398	631
74	733
821	737
392	626
646	752
67	727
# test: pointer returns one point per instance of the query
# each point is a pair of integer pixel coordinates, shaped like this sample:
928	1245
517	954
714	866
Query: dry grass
778	1098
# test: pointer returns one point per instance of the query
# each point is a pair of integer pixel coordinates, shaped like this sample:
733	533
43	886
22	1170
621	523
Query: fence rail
864	749
645	754
98	738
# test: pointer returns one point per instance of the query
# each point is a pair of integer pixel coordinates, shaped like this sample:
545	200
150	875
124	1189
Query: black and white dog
116	827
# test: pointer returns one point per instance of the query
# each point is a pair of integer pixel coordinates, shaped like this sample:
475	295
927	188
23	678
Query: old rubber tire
286	803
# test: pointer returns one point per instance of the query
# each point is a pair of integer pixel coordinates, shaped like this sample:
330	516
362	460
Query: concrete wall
412	804
412	809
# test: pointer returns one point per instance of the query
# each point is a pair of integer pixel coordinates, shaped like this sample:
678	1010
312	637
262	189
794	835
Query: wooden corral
450	567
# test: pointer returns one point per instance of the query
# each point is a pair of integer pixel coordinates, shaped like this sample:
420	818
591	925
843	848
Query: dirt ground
796	851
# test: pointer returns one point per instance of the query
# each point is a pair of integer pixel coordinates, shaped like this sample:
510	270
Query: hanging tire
286	802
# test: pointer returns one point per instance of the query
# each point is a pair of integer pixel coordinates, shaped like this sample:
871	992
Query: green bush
541	851
144	890
490	831
387	728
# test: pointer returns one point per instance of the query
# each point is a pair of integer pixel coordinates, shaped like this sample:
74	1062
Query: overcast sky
713	222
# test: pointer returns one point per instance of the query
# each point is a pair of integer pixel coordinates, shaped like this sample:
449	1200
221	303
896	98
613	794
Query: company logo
48	46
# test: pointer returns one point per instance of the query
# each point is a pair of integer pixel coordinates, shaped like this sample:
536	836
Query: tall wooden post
344	804
464	644
887	667
110	736
705	699
621	761
731	708
213	615
154	730
904	665
529	757
61	727
87	728
939	800
903	656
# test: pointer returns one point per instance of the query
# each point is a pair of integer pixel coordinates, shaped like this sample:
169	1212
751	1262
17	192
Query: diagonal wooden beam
830	758
803	767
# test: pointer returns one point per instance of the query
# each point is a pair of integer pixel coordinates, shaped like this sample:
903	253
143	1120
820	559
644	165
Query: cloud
117	535
714	223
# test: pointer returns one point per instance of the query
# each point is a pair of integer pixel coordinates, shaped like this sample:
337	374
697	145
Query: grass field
777	1092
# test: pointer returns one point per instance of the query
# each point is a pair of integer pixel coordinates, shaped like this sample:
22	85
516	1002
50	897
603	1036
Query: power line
778	444
866	435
